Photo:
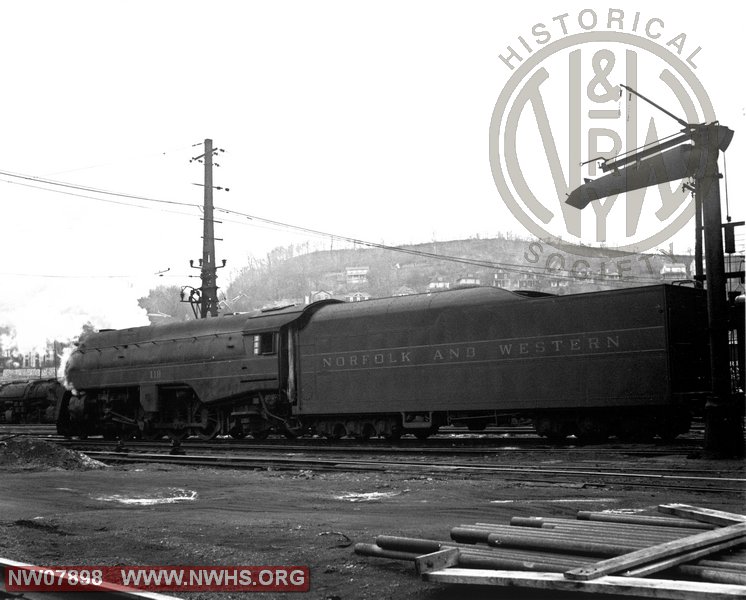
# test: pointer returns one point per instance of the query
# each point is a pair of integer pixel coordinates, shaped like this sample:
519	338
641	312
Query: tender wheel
394	436
338	432
554	429
367	432
591	430
260	435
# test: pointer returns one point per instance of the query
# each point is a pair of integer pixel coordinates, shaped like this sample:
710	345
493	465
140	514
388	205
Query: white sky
365	119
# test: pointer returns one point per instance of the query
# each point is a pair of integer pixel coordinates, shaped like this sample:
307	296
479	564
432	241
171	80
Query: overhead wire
92	189
509	267
38	187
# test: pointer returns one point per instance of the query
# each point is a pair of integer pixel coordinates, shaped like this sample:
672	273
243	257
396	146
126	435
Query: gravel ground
70	513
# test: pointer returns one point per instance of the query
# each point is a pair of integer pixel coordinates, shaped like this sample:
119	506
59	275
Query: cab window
265	343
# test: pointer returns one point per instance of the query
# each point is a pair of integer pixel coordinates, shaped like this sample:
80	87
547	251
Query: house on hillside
438	284
501	279
529	281
357	297
404	291
356	275
317	295
467	280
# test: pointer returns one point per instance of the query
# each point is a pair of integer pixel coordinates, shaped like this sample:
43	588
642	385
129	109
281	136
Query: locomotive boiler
630	362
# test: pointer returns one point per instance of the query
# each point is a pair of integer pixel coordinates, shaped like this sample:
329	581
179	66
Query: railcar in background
30	401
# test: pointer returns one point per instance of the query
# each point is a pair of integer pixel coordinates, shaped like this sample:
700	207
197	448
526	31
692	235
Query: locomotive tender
631	362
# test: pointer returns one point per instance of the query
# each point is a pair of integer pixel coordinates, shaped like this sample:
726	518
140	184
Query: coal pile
35	454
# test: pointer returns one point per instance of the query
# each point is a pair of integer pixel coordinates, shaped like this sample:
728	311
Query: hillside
291	275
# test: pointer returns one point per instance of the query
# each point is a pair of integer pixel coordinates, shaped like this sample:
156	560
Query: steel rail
266	452
624	479
378	447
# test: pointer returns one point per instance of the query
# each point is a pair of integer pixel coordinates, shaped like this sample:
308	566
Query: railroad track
435	446
589	473
490	434
609	464
517	441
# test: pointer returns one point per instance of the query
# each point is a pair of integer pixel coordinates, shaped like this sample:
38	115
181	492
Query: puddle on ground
167	496
366	497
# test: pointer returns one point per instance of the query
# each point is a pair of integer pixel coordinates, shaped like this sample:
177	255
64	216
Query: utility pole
207	296
209	275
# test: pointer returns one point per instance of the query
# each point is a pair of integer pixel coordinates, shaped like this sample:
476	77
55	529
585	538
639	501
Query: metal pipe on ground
637	541
475	559
642	520
421	546
560	544
710	574
651	536
378	552
554	523
590	526
723	564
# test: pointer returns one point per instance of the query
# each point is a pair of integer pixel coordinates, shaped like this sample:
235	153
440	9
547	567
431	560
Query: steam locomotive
631	362
30	401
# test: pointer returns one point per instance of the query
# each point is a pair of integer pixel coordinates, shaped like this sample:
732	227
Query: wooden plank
704	515
658	552
662	565
435	561
660	589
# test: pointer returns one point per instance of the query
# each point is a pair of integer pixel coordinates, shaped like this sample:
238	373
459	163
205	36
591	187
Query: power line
38	187
510	267
92	189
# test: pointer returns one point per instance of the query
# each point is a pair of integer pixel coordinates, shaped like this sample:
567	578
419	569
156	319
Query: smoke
62	373
58	310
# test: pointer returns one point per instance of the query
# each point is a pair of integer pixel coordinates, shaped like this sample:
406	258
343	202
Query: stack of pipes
557	545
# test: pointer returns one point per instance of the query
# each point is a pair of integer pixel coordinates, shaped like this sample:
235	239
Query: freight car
30	401
630	362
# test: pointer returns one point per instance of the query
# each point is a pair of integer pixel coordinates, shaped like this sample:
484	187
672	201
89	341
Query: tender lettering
493	349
